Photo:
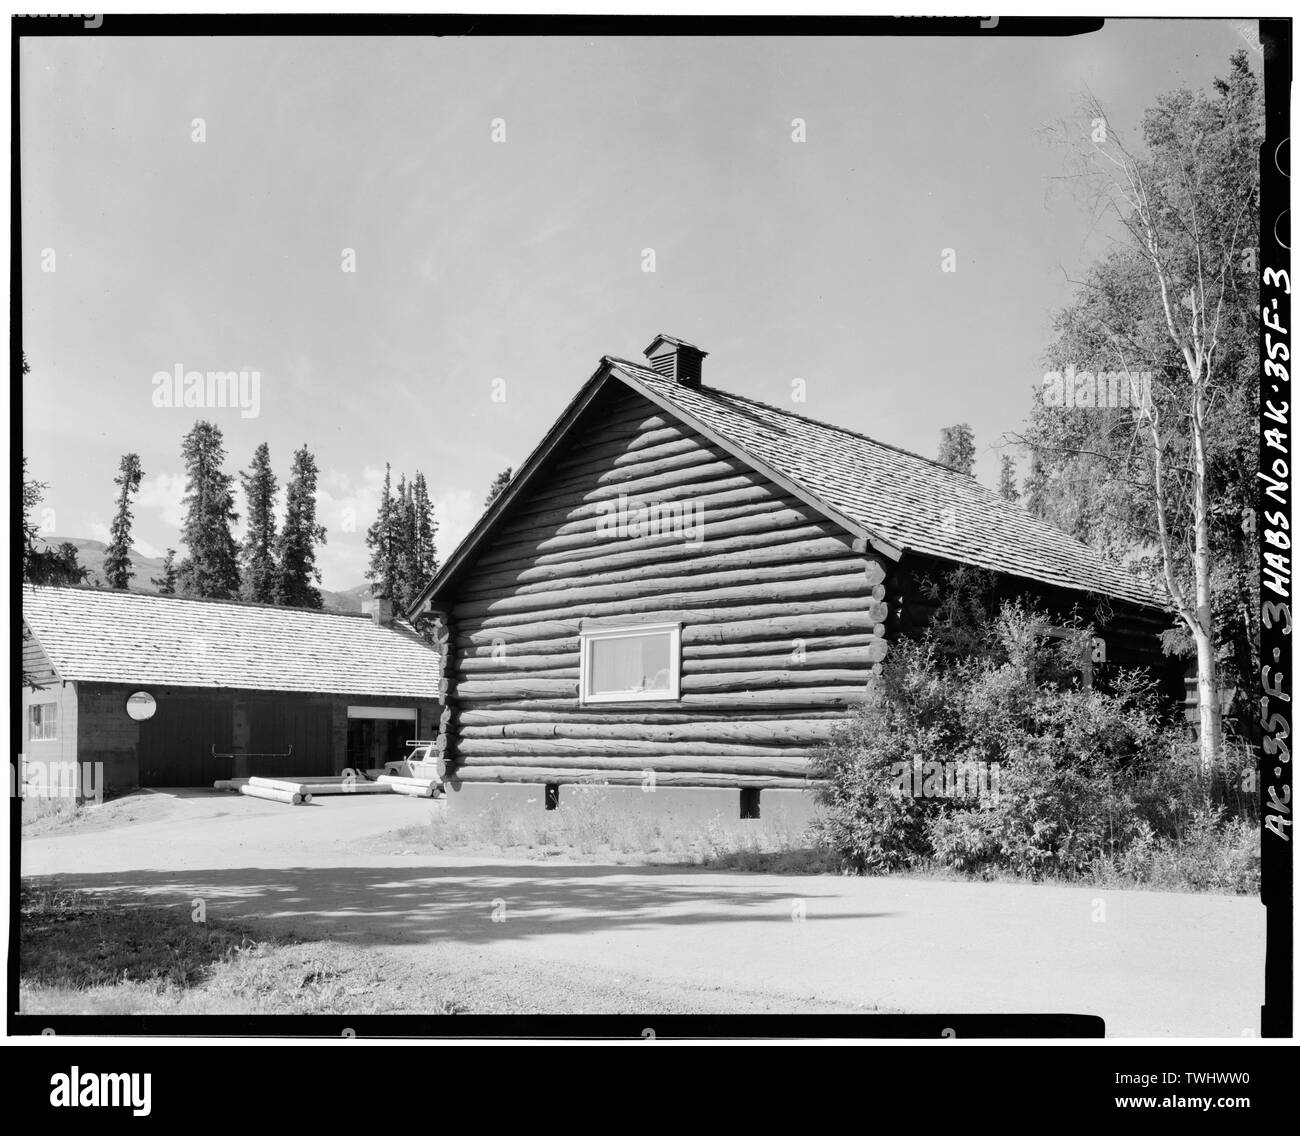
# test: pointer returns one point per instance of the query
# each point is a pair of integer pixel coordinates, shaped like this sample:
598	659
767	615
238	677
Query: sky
492	275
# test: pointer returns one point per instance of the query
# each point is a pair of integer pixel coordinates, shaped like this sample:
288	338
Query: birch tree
1158	465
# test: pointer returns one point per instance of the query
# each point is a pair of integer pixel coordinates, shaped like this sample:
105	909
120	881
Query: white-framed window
44	721
637	663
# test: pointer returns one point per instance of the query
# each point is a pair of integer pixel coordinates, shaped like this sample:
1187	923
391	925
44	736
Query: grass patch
49	814
589	825
84	954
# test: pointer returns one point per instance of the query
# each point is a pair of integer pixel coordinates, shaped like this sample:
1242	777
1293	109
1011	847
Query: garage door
176	743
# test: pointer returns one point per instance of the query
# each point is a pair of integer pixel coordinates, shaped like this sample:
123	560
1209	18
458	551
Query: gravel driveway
1149	963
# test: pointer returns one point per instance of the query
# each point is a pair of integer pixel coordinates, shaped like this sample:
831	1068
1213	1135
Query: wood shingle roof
92	635
909	502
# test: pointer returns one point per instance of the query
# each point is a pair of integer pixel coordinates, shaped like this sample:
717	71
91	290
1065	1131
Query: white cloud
455	513
347	507
165	494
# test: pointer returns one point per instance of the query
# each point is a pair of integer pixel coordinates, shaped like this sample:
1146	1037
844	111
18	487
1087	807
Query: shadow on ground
477	904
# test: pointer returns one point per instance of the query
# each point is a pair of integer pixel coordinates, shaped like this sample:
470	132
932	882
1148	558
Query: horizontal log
738	602
522	667
409	786
873	651
699	641
478	690
569	528
625	449
576	481
747	536
511	686
803	699
281	796
701	626
605	717
532	775
811	644
604	565
767	680
744	584
475	665
742	525
683	484
644	751
774	734
283	784
686	762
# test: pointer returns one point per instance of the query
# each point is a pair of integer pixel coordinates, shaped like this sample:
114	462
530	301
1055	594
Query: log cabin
150	690
686	587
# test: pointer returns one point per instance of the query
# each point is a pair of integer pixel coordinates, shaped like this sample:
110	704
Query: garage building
175	691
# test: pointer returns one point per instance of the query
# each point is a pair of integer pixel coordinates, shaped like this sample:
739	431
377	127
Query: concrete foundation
789	805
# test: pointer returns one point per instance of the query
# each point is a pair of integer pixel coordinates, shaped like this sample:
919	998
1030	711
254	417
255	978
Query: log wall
783	623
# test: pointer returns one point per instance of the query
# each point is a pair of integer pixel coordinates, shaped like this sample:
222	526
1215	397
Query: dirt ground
566	936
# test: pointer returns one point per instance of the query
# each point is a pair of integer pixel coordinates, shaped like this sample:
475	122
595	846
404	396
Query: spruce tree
1007	480
404	541
166	582
117	557
261	576
499	483
212	567
426	529
383	571
299	575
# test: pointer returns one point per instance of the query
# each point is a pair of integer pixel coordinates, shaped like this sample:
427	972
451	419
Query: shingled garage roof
901	498
125	637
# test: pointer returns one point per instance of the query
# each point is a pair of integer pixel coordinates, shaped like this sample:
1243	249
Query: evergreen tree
383	569
1036	488
499	483
299	574
166	583
53	566
957	448
212	567
261	576
426	529
1007	479
117	557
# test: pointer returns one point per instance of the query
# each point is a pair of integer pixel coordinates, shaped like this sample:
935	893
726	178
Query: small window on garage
639	663
44	719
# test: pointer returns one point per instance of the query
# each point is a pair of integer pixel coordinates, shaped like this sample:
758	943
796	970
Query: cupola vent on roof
676	359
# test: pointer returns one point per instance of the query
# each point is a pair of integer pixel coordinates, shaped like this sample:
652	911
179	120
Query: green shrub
1078	782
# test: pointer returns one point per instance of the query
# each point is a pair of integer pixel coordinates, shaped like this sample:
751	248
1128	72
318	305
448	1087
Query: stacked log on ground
283	796
314	787
409	786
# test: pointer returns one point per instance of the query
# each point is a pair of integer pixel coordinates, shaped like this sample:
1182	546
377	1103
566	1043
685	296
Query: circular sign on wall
141	706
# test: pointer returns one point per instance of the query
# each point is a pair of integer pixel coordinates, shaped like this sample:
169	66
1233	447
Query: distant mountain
91	554
350	600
